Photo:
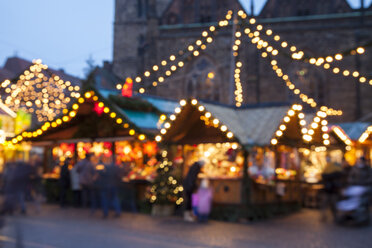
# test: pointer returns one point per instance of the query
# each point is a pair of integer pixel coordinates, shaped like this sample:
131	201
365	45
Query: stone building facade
148	31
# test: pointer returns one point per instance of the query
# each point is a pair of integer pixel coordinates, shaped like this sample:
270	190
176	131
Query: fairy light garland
254	36
319	122
295	109
69	115
238	67
320	61
365	135
36	92
175	63
206	116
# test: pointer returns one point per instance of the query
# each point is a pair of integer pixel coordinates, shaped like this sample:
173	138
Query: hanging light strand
174	63
69	115
266	52
299	55
36	92
237	70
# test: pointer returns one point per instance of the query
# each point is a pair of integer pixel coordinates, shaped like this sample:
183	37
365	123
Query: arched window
203	80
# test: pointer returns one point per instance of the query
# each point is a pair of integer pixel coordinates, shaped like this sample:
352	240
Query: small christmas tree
165	189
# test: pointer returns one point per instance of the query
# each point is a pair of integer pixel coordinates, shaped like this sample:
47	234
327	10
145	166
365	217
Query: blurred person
346	168
108	181
75	186
87	177
204	204
361	173
190	186
36	182
9	188
64	182
332	183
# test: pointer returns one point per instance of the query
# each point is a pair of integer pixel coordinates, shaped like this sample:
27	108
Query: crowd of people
96	185
21	181
92	185
341	178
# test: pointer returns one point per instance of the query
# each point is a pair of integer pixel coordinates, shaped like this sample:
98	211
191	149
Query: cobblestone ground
72	228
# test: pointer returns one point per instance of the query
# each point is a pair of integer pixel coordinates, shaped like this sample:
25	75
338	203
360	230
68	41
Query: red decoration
98	109
127	90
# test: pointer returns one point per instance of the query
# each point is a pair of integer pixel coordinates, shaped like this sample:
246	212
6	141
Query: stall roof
202	122
4	110
163	105
142	119
128	122
251	126
354	129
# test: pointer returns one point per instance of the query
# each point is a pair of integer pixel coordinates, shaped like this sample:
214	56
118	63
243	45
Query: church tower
130	33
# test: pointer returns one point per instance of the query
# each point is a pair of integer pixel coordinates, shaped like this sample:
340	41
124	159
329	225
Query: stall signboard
7	125
22	121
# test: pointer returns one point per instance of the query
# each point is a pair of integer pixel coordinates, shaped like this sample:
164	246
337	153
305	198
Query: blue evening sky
64	34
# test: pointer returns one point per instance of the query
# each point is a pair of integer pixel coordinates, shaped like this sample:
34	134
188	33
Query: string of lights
206	117
296	54
69	115
295	109
365	135
237	70
319	122
261	44
174	63
36	92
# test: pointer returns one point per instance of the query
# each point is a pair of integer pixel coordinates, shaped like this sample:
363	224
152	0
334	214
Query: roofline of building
335	16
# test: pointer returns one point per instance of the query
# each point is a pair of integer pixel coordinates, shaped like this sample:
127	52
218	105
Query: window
203	80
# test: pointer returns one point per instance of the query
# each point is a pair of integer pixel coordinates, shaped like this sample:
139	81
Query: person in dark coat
9	188
64	182
332	183
108	181
189	186
87	178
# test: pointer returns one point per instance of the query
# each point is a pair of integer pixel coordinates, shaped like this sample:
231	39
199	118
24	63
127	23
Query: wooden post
246	185
75	158
113	150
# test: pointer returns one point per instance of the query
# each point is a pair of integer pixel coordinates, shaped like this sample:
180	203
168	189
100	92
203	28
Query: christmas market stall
361	141
12	123
263	142
113	128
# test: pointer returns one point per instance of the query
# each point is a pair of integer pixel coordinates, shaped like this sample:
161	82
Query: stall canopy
94	116
357	131
199	122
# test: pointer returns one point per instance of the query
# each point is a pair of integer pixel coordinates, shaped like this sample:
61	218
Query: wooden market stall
263	142
111	127
361	140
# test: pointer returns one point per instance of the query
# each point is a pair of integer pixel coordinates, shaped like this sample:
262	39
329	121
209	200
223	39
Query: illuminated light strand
237	70
323	62
69	115
207	117
319	122
365	135
37	93
192	50
295	109
176	66
341	134
261	44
